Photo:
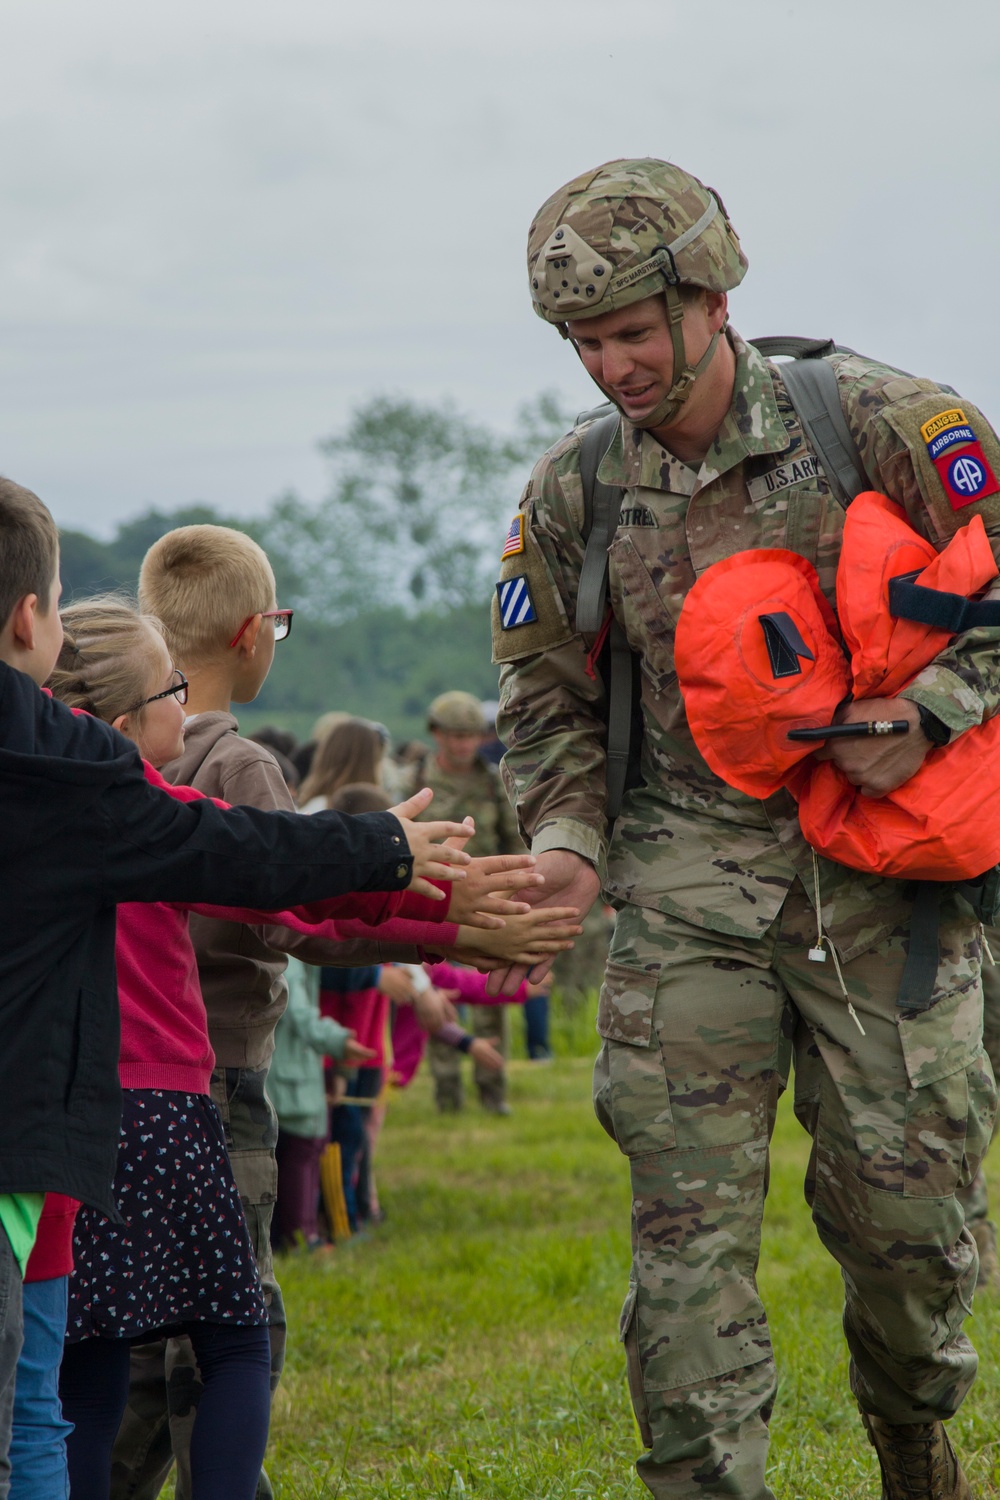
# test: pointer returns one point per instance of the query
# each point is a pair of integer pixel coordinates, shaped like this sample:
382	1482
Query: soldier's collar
751	426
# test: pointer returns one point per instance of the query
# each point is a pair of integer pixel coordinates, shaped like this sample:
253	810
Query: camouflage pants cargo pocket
631	1097
952	1096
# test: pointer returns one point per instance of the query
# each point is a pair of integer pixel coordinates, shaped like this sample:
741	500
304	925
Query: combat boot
917	1461
985	1235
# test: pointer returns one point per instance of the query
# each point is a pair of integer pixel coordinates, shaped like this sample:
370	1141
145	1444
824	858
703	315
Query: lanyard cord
824	943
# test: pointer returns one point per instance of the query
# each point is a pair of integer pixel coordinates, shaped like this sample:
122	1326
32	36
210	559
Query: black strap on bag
602	507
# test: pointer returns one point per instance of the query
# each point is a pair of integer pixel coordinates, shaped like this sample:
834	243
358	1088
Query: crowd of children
160	874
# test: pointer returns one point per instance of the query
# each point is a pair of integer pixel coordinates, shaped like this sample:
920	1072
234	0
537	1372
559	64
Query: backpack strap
601	507
812	389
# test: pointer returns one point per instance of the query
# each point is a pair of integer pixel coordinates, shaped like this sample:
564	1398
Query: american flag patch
515	539
516	604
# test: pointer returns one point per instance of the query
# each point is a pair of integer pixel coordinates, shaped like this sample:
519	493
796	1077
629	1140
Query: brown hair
351	752
29	548
108	657
203	582
360	797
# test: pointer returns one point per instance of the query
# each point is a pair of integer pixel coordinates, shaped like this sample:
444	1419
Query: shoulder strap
812	389
601	508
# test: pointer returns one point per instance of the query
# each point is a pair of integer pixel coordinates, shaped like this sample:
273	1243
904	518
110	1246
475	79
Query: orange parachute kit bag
758	653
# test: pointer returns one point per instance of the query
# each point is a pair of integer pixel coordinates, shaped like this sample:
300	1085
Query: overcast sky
225	222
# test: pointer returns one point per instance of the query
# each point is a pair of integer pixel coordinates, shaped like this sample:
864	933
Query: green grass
468	1346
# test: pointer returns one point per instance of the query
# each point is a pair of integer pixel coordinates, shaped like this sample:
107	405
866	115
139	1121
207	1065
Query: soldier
711	990
460	777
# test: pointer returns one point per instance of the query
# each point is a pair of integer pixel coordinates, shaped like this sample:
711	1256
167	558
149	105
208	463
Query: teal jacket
303	1038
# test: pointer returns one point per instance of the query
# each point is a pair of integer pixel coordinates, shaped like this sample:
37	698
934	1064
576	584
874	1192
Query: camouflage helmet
456	713
624	232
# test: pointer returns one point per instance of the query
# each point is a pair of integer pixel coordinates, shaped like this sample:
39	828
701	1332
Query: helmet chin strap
683	383
685	375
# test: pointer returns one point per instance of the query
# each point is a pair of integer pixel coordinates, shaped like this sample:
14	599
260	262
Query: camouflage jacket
686	843
479	792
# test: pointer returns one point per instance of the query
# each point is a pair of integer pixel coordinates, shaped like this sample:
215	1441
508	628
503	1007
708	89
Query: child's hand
354	1053
433	1008
478	900
527	938
397	984
337	1090
432	858
485	1053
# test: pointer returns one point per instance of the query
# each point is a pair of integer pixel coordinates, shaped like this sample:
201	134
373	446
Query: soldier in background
717	978
459	777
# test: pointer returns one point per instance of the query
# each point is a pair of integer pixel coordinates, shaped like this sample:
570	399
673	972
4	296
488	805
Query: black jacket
80	830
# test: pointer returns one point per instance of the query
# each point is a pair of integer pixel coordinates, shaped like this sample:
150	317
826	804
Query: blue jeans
536	1027
10	1348
38	1442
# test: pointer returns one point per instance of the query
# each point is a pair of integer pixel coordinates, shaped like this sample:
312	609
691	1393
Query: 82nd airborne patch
957	455
516	604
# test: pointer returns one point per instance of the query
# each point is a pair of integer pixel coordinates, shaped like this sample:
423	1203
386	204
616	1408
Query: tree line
390	573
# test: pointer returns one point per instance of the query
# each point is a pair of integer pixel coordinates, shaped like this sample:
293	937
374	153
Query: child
179	1253
297	1089
213	589
83	830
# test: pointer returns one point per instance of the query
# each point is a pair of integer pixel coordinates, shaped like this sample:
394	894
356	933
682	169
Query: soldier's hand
570	880
878	764
433	859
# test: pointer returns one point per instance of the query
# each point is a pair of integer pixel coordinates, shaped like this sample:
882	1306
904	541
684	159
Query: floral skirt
183	1253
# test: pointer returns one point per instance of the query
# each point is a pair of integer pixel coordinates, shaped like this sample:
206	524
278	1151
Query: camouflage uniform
974	1198
709	992
478	791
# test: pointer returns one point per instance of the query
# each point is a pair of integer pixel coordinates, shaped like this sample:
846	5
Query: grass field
468	1346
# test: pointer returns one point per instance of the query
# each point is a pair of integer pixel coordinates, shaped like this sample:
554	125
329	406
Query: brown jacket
242	968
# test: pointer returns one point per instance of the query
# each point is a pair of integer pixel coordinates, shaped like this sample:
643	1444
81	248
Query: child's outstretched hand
479	900
434	1008
432	858
532	936
354	1053
484	1052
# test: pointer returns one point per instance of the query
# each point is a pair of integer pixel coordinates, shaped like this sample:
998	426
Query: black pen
857	731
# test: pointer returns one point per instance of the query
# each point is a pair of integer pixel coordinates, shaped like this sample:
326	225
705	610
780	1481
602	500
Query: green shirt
19	1216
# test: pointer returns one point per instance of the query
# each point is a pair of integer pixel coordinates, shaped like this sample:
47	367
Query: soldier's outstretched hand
570	880
433	859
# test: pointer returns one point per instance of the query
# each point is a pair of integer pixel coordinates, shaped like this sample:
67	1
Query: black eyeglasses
178	690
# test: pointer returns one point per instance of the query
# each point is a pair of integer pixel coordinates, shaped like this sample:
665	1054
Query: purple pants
298	1188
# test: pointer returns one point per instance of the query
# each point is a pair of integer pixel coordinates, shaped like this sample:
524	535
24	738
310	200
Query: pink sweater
471	985
164	1043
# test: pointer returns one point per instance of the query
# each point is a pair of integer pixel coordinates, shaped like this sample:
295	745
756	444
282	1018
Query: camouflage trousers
490	1021
699	1034
974	1198
164	1387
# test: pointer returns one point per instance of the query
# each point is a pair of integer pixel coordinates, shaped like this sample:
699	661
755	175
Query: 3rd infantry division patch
516	604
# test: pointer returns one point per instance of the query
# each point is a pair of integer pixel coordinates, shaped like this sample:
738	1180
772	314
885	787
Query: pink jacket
164	1043
471	985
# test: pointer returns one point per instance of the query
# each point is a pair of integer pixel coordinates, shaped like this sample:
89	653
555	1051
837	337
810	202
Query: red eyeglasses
282	623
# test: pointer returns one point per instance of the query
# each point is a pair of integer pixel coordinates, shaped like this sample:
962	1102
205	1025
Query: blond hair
108	660
351	752
29	548
202	582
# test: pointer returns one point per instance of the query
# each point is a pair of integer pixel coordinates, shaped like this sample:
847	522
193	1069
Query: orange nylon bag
942	824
